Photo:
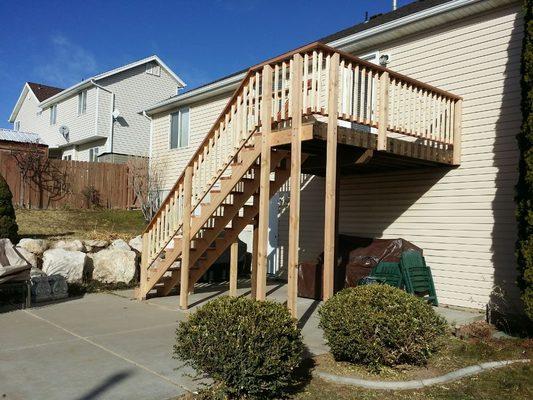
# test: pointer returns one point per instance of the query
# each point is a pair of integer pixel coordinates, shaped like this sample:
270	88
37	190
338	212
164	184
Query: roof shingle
43	92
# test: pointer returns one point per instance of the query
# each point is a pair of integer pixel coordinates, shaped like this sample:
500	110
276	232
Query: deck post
234	262
296	166
144	267
383	111
253	290
457	128
186	239
264	182
330	220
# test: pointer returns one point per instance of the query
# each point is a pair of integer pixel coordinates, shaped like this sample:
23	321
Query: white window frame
93	154
67	157
53	114
82	102
180	144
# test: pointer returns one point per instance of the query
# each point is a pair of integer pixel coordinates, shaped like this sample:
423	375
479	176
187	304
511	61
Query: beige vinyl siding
463	218
172	161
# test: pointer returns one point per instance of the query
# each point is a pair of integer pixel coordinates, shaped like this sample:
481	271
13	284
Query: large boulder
94	245
70	245
120	244
113	265
69	264
35	246
136	243
30	257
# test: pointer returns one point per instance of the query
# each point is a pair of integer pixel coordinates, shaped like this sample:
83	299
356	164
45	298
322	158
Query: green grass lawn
513	382
80	224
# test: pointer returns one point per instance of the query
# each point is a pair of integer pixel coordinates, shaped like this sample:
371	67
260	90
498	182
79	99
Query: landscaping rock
35	246
28	256
113	265
120	244
40	288
69	264
96	243
70	245
58	286
136	243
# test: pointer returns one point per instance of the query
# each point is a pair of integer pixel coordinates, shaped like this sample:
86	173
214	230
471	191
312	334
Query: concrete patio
107	346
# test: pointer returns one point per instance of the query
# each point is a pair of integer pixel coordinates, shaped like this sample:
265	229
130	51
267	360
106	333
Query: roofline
18	104
341	44
346	41
90	81
211	89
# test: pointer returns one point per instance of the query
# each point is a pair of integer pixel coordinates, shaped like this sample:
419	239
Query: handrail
368	94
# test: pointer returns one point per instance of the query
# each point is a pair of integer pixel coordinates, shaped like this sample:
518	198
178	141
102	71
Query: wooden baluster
320	62
283	90
423	121
276	109
326	90
185	240
383	113
355	94
342	90
368	119
457	131
256	104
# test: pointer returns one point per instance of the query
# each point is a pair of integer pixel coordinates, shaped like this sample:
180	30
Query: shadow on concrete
307	314
97	392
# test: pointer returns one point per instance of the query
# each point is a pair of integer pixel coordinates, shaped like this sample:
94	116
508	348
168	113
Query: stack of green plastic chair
388	273
417	276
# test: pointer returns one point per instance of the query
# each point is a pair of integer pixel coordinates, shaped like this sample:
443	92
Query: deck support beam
330	213
186	239
296	166
143	278
264	182
253	290
234	263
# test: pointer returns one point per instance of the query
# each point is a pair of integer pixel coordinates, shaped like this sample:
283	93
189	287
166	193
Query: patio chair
385	272
417	276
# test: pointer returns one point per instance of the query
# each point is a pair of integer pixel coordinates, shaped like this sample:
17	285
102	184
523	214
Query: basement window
179	128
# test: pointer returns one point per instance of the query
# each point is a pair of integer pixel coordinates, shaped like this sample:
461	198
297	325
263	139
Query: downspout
111	128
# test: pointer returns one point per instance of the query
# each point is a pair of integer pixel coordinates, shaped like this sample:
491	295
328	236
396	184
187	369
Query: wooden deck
314	110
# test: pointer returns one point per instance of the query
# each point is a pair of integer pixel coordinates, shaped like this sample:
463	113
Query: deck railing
368	95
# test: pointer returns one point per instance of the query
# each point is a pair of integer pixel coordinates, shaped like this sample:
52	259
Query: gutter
112	125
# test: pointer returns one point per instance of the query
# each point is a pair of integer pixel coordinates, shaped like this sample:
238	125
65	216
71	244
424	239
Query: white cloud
66	63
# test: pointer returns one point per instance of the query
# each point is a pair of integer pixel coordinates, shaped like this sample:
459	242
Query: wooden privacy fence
64	183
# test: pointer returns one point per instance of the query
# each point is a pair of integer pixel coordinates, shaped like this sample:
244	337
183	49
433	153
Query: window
82	102
67	158
53	114
93	154
153	68
179	128
17	126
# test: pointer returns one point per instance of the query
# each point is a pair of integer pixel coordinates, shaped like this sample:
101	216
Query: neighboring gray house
100	118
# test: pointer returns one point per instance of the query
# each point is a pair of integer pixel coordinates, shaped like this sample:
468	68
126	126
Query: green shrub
8	223
380	325
524	187
249	348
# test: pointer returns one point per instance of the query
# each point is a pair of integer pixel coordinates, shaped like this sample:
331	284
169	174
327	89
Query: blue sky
60	43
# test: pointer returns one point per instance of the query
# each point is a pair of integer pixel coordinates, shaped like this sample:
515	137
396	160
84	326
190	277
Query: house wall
135	91
171	162
463	218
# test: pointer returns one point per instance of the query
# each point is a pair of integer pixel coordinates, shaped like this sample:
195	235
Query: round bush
251	348
380	325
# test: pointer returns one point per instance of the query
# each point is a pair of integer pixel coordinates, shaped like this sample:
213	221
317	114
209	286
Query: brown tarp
356	258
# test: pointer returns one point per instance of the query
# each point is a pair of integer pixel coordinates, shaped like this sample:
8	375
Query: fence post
144	267
185	240
383	110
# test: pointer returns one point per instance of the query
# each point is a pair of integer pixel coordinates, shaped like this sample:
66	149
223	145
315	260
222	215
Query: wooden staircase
227	183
